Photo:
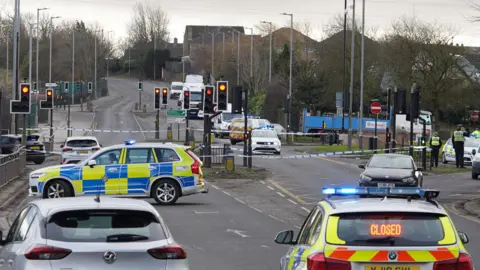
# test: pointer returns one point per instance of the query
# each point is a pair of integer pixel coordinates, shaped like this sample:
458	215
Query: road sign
175	116
376	107
51	85
474	116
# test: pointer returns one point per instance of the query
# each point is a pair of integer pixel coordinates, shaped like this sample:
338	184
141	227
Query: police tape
261	155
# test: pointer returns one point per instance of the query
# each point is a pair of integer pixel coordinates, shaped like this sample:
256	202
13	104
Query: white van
176	89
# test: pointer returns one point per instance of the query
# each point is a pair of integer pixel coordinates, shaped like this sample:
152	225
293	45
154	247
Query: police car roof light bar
428	194
130	142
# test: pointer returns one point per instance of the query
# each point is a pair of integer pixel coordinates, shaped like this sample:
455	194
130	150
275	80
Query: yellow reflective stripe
449	238
155	155
123	154
332	235
421	255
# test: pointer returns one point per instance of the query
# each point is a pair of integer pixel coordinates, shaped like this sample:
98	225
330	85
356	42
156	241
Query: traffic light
165	96
401	101
66	86
35	87
48	103
78	86
90	87
388	137
237	99
208	100
186	100
21	106
140	87
157	99
222	98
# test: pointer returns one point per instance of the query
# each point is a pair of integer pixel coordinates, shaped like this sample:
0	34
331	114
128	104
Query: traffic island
219	173
448	169
473	207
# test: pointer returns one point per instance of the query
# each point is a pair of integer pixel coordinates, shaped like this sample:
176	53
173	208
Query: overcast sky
114	15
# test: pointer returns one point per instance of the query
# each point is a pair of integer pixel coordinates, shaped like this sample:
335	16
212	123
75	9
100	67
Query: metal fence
217	153
12	166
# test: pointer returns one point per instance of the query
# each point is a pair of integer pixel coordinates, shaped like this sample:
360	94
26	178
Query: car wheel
232	142
166	192
38	161
57	189
278	153
474	175
444	158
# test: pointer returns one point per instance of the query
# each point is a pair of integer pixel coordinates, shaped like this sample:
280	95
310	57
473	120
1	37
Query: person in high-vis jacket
435	143
476	134
458	140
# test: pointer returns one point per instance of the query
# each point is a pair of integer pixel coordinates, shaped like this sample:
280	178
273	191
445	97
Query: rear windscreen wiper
126	238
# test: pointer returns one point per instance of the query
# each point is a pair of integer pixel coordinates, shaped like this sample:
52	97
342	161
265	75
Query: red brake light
196	164
67	149
171	252
319	262
96	148
43	252
464	262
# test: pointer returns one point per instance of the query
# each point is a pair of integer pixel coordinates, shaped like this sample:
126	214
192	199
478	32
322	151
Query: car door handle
152	168
112	169
10	263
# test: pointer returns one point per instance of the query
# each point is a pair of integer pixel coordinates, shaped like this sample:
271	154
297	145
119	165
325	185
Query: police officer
458	140
435	143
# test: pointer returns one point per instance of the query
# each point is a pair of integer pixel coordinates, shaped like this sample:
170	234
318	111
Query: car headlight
365	178
276	143
36	175
408	180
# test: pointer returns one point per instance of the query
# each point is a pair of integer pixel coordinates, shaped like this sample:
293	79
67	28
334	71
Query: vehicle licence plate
35	147
83	152
386	185
391	267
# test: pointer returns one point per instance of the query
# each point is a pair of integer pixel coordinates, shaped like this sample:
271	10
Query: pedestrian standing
458	140
435	143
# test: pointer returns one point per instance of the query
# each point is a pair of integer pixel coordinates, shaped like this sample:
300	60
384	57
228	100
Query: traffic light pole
139	100
187	135
157	125
412	115
245	131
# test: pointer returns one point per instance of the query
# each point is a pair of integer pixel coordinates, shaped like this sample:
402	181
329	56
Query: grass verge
445	169
219	173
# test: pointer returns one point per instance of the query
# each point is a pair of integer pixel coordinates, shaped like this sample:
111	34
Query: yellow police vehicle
237	128
390	229
162	171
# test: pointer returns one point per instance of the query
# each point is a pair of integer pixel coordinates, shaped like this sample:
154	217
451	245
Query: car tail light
196	164
67	149
464	262
96	148
44	252
171	252
319	262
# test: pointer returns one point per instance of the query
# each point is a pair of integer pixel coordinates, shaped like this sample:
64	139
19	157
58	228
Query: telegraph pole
270	56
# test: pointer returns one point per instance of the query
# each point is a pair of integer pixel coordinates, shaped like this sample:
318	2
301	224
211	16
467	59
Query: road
232	227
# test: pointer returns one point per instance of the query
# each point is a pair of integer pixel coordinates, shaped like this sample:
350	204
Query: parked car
9	143
35	149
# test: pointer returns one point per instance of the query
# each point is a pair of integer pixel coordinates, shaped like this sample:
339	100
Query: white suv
78	148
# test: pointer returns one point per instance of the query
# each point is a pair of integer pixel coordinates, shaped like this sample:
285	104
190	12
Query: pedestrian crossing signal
157	99
165	96
66	86
48	103
90	87
140	87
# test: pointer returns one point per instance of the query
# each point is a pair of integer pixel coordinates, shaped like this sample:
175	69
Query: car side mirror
361	166
101	145
474	152
61	146
463	237
285	238
92	163
420	169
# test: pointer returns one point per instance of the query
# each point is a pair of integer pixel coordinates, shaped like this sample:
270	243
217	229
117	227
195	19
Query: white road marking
140	127
280	194
215	187
199	212
239	233
452	208
263	182
265	246
226	193
274	217
292	201
256	209
298	227
270	187
306	210
239	200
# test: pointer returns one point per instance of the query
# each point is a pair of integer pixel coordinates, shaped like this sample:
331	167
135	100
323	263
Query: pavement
233	226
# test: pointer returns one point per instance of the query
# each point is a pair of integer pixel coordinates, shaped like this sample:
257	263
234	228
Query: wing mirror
92	163
474	152
420	169
61	146
463	237
285	238
361	166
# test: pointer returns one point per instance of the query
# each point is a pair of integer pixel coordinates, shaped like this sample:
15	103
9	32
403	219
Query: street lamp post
30	55
251	51
270	57
352	70
362	67
154	60
108	55
213	54
50	75
290	76
37	45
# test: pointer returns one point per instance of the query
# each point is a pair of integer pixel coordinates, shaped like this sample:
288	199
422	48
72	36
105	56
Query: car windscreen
389	229
195	96
6	140
177	87
228	117
33	137
82	143
264	134
472	143
390	162
103	225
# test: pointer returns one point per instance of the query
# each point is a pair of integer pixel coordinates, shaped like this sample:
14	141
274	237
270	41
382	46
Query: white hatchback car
86	233
266	140
76	149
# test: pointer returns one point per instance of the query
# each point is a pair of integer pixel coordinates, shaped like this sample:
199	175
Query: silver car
86	233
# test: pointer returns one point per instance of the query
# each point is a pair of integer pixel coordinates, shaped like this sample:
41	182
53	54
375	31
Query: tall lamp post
352	76
50	74
270	57
108	55
362	67
251	51
290	77
37	49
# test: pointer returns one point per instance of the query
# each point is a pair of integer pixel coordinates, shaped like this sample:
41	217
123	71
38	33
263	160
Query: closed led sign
385	229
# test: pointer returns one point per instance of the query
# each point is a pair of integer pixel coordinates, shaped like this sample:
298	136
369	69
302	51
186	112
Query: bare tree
260	73
149	22
264	28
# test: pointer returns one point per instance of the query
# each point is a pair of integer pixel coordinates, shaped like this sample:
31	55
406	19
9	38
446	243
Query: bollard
136	106
212	136
191	140
229	163
169	133
144	108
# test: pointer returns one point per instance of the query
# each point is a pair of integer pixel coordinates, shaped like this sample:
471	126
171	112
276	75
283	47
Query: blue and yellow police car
162	171
390	229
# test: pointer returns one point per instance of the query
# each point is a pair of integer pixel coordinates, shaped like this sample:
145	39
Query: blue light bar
381	191
130	142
